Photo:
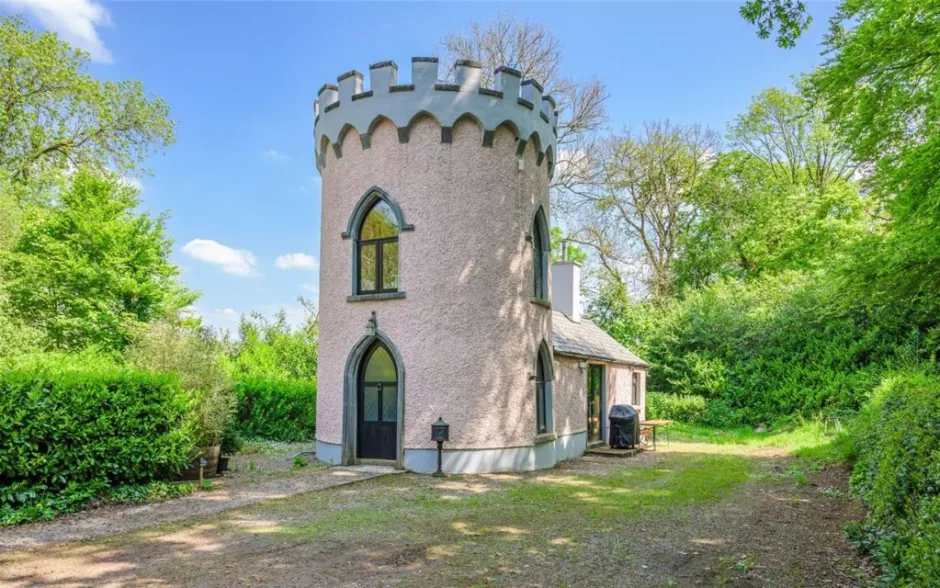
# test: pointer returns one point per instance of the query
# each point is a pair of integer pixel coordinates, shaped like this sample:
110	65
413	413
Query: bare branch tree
533	50
641	199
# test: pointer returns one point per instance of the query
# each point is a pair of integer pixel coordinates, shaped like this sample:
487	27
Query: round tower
435	269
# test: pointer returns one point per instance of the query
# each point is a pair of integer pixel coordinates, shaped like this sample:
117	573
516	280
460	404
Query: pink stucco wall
570	392
466	331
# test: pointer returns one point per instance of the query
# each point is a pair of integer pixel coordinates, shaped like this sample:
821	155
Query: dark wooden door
594	404
378	405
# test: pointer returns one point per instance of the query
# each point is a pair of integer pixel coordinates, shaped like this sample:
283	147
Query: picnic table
654	424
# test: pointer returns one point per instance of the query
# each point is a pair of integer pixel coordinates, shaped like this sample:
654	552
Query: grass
807	440
486	506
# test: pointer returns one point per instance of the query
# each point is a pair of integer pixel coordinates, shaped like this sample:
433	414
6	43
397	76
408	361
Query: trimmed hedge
67	436
897	473
276	409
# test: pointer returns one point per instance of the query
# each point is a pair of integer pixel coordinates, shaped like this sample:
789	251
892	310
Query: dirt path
121	519
666	519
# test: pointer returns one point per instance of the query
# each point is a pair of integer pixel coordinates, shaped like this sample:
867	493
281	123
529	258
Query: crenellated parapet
515	103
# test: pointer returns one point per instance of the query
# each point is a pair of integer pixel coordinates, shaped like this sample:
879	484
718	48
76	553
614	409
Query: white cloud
238	262
228	312
275	155
312	288
76	21
297	261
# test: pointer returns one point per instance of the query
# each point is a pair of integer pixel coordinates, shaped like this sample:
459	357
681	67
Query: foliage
195	355
149	493
882	85
897	473
684	409
88	269
752	223
788	17
562	250
775	346
57	117
276	409
66	436
790	136
273	349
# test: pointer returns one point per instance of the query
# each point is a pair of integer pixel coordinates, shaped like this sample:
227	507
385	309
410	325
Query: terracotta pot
211	455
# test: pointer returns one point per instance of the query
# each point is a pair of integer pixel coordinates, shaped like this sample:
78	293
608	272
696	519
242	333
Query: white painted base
480	461
330	453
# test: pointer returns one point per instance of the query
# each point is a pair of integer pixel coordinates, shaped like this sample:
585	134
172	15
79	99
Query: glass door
594	403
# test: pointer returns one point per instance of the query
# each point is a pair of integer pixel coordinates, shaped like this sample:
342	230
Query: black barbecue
624	427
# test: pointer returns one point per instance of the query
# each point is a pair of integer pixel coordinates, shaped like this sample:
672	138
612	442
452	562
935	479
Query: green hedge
685	409
276	409
67	436
897	474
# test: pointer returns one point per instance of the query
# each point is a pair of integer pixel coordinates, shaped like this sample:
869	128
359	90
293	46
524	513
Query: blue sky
240	183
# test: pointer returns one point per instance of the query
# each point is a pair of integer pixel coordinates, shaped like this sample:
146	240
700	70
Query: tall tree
790	135
87	268
533	49
882	85
55	116
641	200
751	223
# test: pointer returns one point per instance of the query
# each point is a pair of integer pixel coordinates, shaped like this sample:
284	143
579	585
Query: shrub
281	410
685	409
66	436
195	355
897	474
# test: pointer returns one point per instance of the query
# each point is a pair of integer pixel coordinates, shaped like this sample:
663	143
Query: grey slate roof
587	340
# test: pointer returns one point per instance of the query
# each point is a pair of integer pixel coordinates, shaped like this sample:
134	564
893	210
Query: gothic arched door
377	424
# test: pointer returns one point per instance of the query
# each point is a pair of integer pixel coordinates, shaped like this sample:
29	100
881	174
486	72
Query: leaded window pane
390	403
370	403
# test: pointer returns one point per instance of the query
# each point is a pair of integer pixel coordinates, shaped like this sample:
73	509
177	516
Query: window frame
635	388
541	254
379	244
544	376
371	198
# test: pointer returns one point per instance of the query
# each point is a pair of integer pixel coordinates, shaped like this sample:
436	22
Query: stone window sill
540	302
373	297
545	438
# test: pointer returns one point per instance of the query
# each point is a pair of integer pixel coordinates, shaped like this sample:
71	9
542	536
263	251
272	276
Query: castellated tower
435	269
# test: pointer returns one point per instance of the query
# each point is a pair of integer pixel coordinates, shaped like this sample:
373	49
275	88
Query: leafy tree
751	223
791	137
86	269
788	17
562	250
272	349
56	117
882	85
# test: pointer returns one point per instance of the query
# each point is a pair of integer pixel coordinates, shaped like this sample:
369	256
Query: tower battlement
517	104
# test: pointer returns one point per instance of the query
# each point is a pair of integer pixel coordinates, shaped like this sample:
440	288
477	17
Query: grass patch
481	506
805	439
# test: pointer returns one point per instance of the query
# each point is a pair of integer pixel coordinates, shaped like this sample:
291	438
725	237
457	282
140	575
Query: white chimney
566	289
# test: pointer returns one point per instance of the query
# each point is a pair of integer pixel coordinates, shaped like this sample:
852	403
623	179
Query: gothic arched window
378	250
540	254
